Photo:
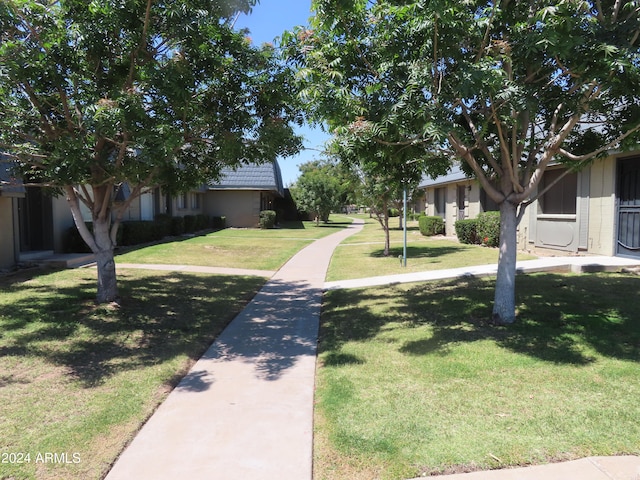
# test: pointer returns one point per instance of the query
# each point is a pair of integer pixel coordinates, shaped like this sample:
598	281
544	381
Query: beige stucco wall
240	207
62	221
602	207
188	209
472	203
7	243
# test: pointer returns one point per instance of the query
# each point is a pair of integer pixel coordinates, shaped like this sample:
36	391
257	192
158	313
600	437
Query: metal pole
404	225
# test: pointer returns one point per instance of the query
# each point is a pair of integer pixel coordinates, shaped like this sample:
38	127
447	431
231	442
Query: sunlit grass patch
414	379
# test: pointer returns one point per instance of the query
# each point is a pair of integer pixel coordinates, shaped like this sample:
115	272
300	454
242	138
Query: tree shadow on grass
161	316
422	251
561	317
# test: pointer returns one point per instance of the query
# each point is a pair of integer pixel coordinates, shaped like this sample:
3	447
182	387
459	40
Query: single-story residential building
34	222
240	194
594	211
10	192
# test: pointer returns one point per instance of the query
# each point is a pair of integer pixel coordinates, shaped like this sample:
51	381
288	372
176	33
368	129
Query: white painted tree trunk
504	305
107	282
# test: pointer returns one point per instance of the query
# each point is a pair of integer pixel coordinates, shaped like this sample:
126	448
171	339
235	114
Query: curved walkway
245	410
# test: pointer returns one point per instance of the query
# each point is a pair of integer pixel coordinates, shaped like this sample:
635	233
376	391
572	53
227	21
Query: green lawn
80	379
413	381
237	248
361	255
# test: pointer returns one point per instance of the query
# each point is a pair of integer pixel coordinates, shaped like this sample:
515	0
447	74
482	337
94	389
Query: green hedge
219	223
466	230
267	219
431	225
163	224
484	230
177	226
137	232
488	228
393	212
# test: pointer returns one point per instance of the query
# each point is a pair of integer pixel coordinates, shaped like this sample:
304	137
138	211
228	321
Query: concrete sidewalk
245	410
592	468
198	269
545	264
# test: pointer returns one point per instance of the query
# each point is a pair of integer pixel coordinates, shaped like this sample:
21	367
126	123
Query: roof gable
263	177
10	186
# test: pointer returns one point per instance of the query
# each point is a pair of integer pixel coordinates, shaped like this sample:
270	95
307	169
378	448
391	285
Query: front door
629	207
35	214
462	190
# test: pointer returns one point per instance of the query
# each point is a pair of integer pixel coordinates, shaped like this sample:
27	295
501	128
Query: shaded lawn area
361	255
80	378
413	381
236	248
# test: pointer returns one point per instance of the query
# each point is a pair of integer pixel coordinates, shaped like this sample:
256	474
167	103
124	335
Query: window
195	201
182	201
561	199
440	201
487	203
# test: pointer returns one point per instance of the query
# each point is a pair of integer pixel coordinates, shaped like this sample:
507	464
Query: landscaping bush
466	230
394	212
177	226
163	225
267	219
203	222
431	225
488	228
219	223
73	242
416	216
136	232
189	223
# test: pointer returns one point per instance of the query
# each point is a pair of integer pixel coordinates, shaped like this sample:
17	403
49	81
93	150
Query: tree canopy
505	87
318	189
96	94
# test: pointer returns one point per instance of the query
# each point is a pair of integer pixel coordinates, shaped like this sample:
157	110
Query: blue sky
268	20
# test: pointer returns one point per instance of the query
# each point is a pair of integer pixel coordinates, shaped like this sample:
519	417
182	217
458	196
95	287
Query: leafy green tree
318	189
96	94
382	172
507	87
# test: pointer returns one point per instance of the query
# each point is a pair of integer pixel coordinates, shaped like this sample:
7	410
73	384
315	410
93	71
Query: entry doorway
628	244
35	219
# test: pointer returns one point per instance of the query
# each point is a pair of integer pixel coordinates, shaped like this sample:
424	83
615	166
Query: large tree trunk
107	283
504	306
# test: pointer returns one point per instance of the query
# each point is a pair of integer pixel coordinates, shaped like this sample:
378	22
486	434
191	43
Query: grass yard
237	248
413	381
78	380
361	255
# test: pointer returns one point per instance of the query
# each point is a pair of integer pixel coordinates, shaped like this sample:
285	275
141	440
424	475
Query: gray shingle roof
455	175
266	176
9	185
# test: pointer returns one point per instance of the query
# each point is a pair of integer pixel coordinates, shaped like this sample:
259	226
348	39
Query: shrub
177	226
218	223
466	230
394	212
488	228
431	225
267	219
416	216
136	232
163	225
73	242
189	223
203	222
